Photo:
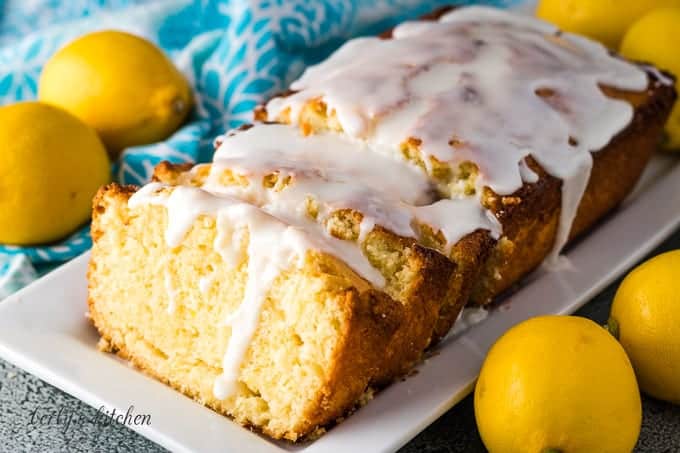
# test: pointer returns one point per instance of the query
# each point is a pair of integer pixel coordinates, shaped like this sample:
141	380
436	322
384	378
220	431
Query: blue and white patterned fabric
235	53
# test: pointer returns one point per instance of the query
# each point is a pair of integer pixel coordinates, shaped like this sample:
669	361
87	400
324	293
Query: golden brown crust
617	167
467	254
529	218
530	225
423	298
358	356
167	171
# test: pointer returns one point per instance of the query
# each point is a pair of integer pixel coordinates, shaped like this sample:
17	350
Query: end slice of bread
324	333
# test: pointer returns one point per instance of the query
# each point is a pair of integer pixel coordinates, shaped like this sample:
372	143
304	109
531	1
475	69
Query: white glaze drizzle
473	75
468	317
340	173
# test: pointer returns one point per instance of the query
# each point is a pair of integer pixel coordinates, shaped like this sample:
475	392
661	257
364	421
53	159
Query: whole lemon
603	20
51	165
654	39
646	314
120	84
557	383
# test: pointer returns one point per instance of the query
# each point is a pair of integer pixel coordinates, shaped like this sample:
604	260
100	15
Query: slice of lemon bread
323	333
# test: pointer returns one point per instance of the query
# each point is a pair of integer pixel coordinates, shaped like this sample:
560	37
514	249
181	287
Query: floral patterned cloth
235	53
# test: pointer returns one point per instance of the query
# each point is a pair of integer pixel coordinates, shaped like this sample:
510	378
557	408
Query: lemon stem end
613	327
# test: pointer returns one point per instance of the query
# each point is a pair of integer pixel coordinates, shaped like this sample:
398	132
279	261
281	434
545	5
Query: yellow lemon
120	84
51	165
646	314
603	20
557	384
654	39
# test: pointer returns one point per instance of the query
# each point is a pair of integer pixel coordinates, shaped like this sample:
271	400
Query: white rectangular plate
43	329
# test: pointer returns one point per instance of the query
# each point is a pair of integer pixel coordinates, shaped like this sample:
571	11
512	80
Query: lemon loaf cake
404	177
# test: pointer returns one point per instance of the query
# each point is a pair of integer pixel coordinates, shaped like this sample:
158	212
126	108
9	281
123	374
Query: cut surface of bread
324	333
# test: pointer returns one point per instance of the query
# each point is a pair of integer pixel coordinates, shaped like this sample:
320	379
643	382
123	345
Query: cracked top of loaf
469	97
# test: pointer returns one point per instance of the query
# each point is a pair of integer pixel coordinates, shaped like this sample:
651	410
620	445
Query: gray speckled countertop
23	398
